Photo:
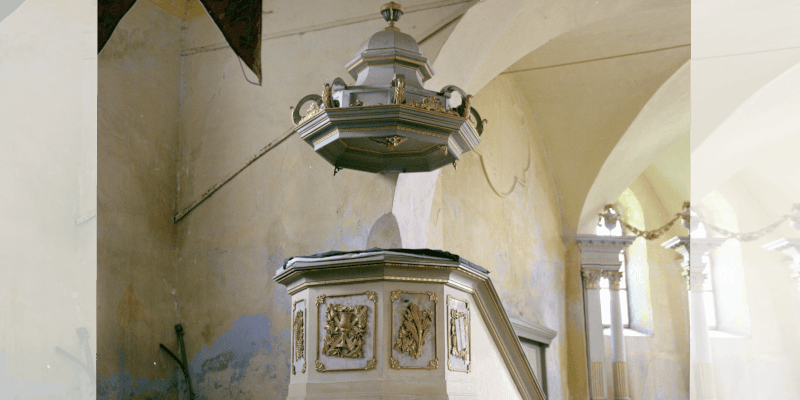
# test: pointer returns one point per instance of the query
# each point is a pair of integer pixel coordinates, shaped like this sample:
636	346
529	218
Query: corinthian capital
591	278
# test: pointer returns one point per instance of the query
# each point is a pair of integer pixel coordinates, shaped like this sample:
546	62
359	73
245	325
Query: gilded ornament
455	315
466	107
391	141
299	336
395	295
415	326
327	96
433	104
345	327
443	148
394	363
400	90
433	364
312	112
372	296
320	299
371	364
432	297
320	367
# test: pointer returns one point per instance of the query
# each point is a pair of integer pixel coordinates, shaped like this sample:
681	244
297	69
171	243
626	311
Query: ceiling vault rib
333	24
598	59
747	53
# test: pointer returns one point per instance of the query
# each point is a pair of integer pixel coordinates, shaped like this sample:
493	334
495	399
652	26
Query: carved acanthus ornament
591	279
345	328
614	279
696	280
327	96
415	326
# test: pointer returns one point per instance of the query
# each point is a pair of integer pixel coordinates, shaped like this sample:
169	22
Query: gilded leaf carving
415	326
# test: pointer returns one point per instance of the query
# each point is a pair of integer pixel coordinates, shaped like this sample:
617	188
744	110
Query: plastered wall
138	82
498	209
47	192
768	351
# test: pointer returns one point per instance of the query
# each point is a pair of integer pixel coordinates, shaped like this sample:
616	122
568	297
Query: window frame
624	267
710	278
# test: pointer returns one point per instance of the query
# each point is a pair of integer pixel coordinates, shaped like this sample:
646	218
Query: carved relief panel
459	357
413	330
299	323
346	332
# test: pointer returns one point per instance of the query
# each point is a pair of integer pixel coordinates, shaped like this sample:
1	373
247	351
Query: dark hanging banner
109	13
240	23
8	7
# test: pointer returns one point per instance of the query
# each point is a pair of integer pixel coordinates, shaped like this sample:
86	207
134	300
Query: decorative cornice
533	331
602	252
597	241
692	251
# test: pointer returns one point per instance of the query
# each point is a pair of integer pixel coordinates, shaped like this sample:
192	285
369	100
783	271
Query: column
618	365
599	254
702	365
594	332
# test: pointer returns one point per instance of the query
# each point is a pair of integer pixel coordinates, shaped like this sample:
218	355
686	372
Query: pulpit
384	324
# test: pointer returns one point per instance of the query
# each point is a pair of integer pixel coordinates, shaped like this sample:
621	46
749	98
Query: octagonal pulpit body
384	324
387	121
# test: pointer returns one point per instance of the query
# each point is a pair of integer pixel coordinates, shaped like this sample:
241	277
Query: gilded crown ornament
387	121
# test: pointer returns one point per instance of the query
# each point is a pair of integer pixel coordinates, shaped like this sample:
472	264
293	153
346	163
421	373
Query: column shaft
619	366
702	367
594	330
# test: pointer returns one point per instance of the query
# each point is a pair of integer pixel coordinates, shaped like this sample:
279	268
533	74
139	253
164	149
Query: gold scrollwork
320	299
432	296
395	295
394	363
415	326
371	364
372	296
320	367
433	364
433	104
312	112
345	327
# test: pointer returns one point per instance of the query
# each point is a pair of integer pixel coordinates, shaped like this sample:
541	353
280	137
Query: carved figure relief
327	96
459	357
345	329
400	90
411	337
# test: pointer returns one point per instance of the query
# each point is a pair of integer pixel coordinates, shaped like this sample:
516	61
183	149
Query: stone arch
661	122
770	113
